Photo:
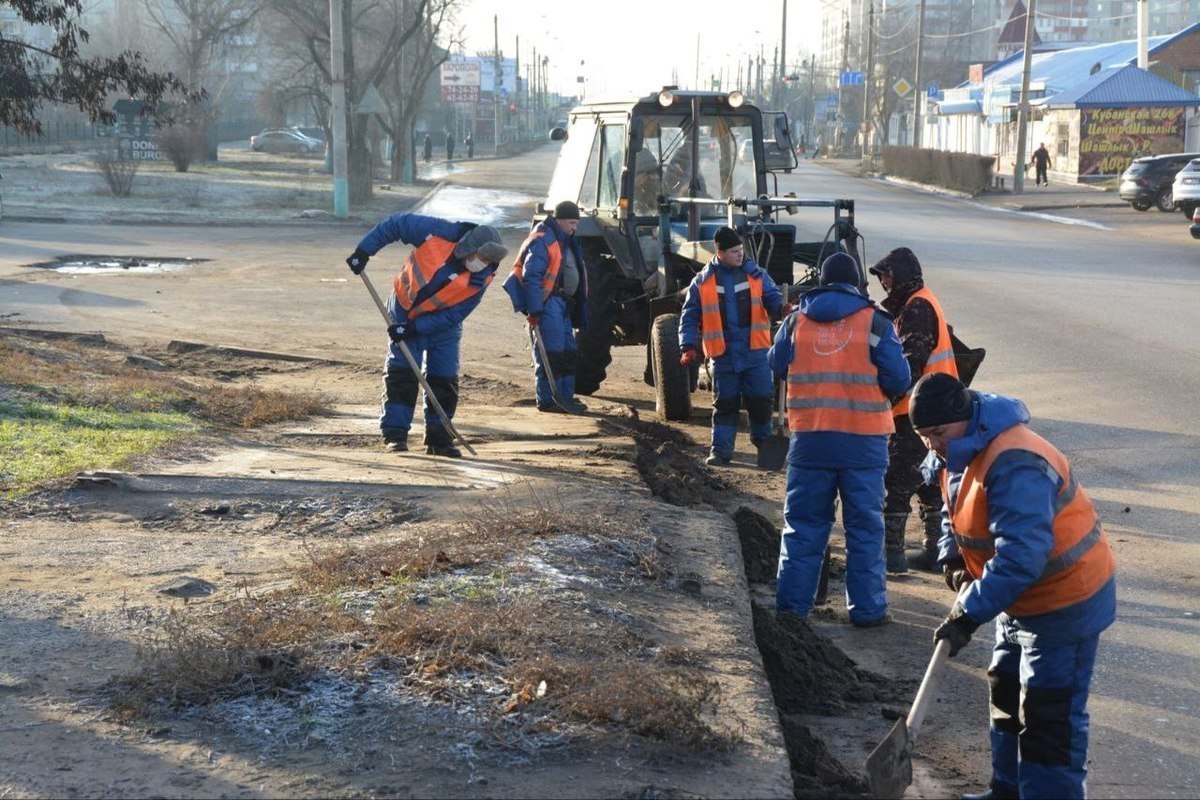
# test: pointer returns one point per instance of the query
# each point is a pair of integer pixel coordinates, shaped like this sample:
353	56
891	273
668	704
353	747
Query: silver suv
1186	189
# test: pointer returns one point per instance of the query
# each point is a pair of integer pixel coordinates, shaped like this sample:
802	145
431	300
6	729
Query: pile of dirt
760	544
815	772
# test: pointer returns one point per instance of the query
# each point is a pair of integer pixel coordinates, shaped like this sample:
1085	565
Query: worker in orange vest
843	366
1020	529
441	282
925	338
727	314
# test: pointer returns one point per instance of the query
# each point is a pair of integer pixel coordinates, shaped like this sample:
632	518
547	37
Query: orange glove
689	357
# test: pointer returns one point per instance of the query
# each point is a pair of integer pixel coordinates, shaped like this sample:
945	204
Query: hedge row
963	172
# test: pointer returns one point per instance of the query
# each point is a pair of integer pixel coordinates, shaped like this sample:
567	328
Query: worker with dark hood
925	338
548	285
441	283
727	314
842	362
1020	529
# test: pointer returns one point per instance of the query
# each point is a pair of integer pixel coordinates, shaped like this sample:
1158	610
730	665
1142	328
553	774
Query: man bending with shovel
440	284
1020	529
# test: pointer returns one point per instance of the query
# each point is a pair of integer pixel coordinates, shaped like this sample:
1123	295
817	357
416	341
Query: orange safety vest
1082	560
832	385
712	334
425	260
553	265
941	359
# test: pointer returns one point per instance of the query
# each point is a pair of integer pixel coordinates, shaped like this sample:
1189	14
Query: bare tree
376	36
33	74
204	37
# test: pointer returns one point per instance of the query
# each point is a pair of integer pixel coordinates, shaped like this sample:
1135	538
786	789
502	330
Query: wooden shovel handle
933	675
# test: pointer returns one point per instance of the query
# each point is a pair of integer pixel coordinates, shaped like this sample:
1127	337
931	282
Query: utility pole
918	90
868	79
783	70
838	135
1143	25
1023	107
496	82
337	75
811	122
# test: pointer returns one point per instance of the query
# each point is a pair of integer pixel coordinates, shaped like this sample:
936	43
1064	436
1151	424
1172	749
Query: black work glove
398	333
956	629
955	573
358	261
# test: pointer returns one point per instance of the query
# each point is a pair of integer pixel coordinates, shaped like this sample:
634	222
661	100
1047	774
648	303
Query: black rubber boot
926	560
893	539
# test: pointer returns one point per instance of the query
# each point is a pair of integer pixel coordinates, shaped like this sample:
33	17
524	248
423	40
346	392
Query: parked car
284	141
1195	229
1185	191
1147	181
317	134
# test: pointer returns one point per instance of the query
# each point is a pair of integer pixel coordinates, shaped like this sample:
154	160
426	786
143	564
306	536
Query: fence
55	133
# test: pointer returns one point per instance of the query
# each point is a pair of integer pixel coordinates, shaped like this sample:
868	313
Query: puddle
495	207
112	265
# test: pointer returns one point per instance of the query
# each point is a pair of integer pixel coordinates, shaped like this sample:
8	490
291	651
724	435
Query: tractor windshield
664	164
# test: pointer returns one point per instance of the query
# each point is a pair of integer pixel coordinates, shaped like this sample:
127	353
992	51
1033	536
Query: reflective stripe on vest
1081	561
424	261
712	332
941	359
832	385
553	262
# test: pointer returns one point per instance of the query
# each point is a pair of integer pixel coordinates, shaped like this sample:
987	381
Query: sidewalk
1034	198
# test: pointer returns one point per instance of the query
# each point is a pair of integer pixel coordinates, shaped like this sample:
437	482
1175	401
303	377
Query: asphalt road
1096	328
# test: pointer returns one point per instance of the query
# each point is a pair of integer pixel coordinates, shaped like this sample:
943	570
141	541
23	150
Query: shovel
536	335
415	367
772	451
889	767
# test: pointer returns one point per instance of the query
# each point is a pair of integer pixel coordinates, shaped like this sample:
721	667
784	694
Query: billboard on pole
460	82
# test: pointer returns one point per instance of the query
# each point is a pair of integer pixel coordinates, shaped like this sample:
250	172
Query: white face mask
476	264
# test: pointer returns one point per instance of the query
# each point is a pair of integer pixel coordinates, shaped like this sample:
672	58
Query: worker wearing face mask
441	283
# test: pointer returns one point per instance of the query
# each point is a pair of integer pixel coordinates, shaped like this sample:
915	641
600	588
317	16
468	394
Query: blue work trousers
438	354
752	384
1039	716
558	337
808	511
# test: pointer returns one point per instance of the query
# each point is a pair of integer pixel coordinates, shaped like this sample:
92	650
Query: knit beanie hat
566	210
839	268
484	240
726	238
939	399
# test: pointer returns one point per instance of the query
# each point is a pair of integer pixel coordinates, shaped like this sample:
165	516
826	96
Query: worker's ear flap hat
484	240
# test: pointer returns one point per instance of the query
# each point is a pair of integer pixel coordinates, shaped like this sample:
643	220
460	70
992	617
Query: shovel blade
889	767
772	452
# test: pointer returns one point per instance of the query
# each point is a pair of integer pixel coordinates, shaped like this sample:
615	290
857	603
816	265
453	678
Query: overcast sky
633	46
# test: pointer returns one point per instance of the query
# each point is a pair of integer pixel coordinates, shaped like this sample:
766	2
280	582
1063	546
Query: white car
1185	191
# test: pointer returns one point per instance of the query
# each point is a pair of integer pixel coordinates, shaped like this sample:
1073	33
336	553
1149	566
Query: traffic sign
902	87
460	81
851	78
370	102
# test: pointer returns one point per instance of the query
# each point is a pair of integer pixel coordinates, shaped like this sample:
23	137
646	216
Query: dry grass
448	610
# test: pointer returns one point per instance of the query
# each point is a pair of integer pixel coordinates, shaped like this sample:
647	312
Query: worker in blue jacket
440	284
844	365
727	315
1020	531
548	284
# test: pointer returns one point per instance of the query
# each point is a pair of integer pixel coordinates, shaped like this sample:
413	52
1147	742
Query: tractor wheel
672	381
595	343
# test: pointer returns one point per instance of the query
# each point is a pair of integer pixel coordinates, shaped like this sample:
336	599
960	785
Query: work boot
886	619
396	444
893	542
574	406
926	559
997	791
444	450
718	459
551	408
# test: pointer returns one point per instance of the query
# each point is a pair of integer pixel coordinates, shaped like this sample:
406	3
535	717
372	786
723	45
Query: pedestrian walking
440	284
548	284
449	145
842	363
428	148
816	151
727	315
1020	529
470	142
925	339
1041	163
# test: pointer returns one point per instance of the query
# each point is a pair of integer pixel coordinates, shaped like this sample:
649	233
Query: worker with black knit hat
1019	529
727	316
843	365
548	285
